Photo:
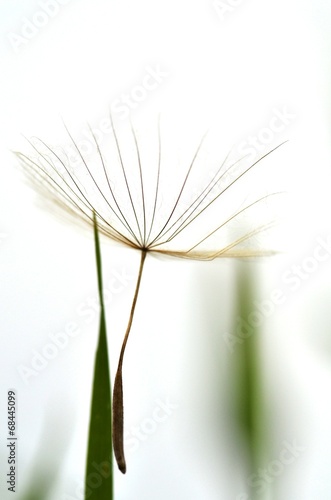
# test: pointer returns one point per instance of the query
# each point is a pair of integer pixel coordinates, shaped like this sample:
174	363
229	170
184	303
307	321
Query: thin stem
199	199
184	224
141	181
118	420
181	190
118	148
230	218
125	223
59	189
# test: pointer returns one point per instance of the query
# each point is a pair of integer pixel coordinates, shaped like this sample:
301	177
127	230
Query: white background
228	69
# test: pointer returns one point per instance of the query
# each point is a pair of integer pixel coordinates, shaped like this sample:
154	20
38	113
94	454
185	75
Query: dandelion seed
136	220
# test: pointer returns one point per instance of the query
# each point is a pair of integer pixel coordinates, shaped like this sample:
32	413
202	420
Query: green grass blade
99	466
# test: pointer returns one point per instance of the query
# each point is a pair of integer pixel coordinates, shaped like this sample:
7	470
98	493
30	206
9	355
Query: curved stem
118	419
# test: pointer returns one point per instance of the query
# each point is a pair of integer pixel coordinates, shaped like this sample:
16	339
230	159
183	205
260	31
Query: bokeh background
255	74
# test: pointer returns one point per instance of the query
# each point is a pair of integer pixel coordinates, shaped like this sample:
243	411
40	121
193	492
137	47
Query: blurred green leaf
251	404
41	490
251	417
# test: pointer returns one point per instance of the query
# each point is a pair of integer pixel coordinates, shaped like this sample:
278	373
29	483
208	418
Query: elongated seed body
118	404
